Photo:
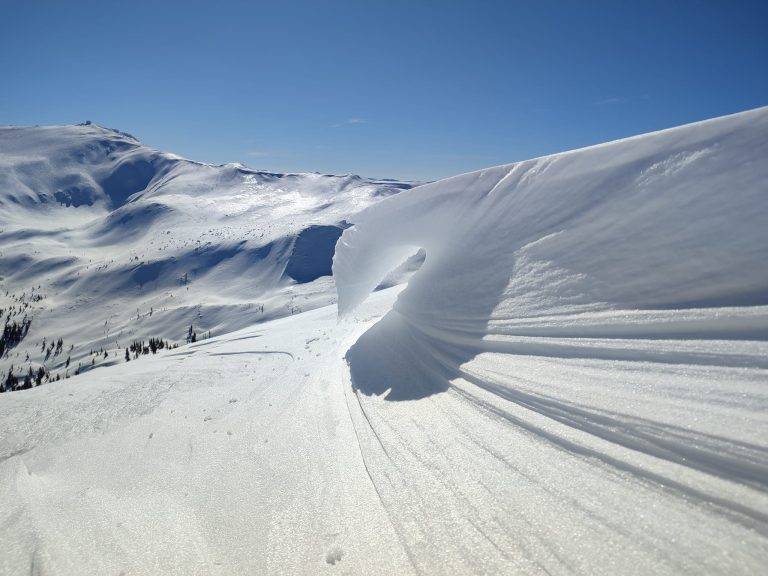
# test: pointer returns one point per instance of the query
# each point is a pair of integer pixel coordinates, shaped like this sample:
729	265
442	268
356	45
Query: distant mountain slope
104	240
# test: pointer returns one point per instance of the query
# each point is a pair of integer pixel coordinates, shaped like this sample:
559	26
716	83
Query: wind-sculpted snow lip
669	220
578	244
607	305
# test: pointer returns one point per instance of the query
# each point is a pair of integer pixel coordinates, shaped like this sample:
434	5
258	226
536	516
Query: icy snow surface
574	382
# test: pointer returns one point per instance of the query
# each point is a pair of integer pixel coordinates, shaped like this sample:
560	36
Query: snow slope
234	455
577	378
574	382
103	241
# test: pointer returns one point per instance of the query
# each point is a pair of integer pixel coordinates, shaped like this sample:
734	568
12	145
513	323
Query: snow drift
607	307
670	220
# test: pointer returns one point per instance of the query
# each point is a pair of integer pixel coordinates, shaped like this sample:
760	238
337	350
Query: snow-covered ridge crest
669	220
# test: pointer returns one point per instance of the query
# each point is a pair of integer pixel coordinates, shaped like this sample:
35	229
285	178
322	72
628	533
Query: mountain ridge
103	227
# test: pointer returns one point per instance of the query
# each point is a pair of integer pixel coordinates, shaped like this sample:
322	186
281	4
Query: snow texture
124	242
575	381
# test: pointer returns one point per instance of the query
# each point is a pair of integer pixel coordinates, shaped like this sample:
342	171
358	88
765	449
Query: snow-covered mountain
574	382
104	241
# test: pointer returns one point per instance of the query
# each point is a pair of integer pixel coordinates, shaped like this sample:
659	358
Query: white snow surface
124	242
574	382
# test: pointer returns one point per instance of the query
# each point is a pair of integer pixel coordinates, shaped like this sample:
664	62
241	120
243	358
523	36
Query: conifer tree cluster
13	333
138	347
25	380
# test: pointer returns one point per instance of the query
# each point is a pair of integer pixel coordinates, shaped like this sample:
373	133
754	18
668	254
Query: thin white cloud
349	122
611	100
621	99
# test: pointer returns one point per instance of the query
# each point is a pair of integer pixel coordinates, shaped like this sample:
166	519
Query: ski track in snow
575	382
223	460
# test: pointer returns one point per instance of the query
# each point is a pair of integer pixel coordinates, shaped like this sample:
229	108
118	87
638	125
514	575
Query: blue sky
417	90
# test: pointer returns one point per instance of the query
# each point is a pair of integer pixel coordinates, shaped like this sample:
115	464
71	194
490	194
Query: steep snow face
674	219
103	241
585	350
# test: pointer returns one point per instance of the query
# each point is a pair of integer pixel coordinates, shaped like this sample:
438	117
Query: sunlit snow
575	381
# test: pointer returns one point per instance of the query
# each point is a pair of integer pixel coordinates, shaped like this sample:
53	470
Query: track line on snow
743	515
392	523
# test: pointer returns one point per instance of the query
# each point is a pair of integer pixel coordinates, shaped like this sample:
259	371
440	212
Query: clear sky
416	90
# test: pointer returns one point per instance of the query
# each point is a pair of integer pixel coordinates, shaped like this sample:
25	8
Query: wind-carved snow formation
601	309
574	382
669	220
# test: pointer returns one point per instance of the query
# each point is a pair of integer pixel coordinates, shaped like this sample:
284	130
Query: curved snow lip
592	324
577	242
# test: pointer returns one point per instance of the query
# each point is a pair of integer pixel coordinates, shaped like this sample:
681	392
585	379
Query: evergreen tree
10	381
27	383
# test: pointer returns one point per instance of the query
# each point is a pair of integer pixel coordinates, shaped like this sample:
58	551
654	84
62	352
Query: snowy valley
556	366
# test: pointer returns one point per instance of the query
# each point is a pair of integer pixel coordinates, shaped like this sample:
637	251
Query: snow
577	378
124	242
575	381
232	455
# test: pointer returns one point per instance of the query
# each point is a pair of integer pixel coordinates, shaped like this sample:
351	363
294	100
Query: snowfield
574	382
104	241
